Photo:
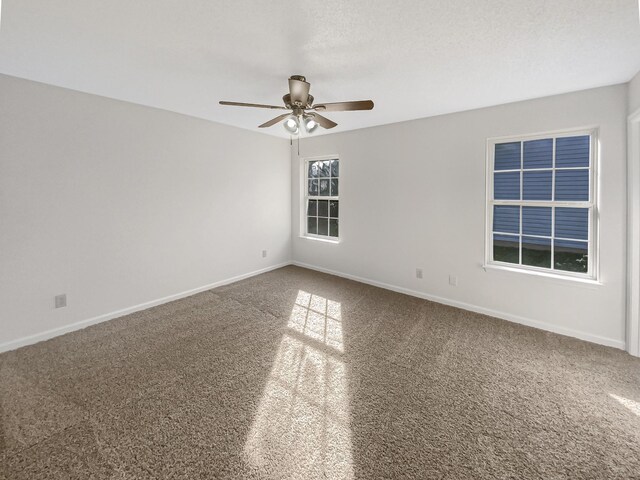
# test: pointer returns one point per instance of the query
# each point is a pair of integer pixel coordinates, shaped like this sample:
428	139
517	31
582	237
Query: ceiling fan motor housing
287	102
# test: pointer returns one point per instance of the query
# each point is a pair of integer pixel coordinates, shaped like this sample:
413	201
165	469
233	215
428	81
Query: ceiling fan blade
256	105
299	91
344	106
273	121
324	122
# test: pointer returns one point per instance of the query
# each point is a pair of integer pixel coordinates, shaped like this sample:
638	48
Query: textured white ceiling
414	58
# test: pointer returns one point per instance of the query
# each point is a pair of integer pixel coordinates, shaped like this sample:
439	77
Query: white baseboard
39	337
609	342
31	339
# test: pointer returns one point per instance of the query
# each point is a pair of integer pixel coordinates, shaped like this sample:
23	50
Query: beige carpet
297	374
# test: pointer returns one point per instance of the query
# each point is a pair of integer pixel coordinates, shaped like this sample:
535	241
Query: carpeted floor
297	374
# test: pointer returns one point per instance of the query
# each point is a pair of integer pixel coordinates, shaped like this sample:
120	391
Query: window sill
317	239
551	276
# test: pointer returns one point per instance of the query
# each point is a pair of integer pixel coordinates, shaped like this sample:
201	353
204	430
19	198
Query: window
541	203
321	200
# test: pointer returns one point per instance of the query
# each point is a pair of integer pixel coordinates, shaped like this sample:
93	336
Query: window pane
333	227
506	219
571	256
312	208
313	170
507	156
536	221
323	208
536	251
334	187
312	225
537	185
572	223
506	248
324	187
323	168
313	187
323	226
333	208
335	168
572	185
506	186
572	151
538	153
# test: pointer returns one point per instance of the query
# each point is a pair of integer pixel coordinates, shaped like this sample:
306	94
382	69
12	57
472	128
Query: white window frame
592	274
305	197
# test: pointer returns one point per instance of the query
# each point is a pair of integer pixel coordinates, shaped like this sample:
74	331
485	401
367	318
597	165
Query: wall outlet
453	280
418	273
264	254
61	300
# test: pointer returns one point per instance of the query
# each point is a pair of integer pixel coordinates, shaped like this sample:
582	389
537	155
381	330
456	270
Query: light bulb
291	125
309	124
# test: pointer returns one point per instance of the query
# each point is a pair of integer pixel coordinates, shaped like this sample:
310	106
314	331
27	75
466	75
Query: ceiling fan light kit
291	125
304	114
310	125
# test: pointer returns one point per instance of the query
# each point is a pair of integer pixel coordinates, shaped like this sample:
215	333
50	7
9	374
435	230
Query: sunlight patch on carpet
301	429
318	318
630	404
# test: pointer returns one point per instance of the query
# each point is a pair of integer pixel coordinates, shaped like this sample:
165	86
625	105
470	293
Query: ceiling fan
303	111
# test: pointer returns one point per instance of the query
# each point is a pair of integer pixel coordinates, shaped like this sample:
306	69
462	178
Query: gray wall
634	94
413	196
116	205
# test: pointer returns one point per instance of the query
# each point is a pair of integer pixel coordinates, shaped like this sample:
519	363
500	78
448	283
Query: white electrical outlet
61	300
264	254
418	273
453	280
